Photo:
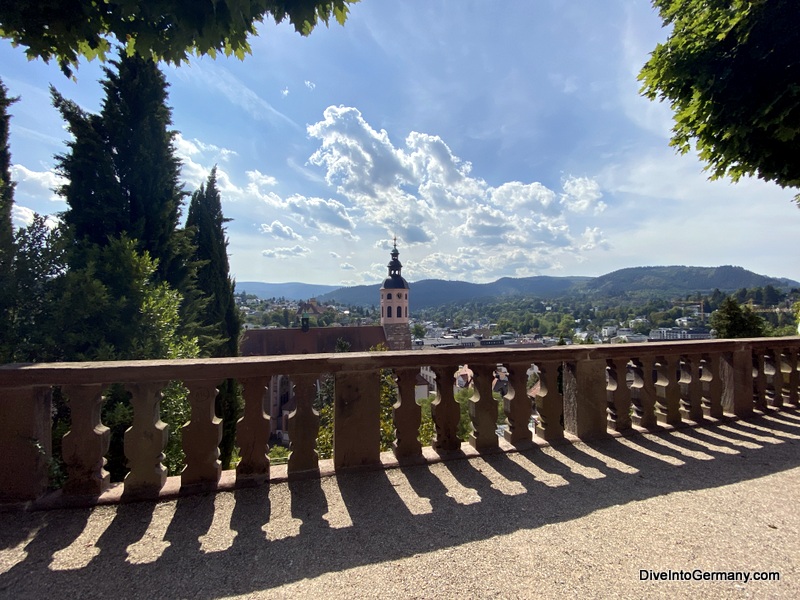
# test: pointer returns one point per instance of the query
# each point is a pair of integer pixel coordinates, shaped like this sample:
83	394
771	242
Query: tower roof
395	280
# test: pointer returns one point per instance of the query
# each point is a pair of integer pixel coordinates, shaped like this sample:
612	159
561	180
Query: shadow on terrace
254	540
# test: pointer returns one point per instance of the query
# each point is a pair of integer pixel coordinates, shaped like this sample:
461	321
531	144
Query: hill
290	291
429	293
640	281
680	280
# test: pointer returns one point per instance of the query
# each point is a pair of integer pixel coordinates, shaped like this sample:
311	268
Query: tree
6	226
220	314
167	30
731	320
418	330
730	70
123	177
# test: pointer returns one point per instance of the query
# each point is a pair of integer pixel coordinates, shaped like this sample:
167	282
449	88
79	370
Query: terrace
659	456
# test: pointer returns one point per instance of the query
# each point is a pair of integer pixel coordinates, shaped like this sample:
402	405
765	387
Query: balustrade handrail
202	369
583	390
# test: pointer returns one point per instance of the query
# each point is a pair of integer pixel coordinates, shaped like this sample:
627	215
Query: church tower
394	305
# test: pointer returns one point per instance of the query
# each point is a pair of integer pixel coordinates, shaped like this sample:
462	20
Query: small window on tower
388	296
389	312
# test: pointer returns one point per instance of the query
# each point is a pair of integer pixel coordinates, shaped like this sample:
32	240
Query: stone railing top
204	369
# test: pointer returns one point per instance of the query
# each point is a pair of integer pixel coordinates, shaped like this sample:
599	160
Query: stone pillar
712	385
643	394
356	420
25	442
585	399
736	371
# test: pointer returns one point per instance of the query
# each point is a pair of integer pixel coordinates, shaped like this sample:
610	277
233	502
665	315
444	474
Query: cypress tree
6	227
220	316
123	177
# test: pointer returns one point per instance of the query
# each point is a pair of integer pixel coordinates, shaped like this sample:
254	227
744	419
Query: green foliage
730	71
734	321
418	331
30	291
7	298
167	30
219	318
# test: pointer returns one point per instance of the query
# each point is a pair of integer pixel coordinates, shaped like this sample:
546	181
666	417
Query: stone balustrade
584	391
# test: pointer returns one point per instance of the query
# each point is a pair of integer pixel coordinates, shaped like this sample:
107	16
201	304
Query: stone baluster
201	437
691	388
145	441
445	412
483	409
585	399
85	445
791	376
356	419
772	370
25	441
760	391
517	405
407	416
618	396
252	434
668	395
712	385
549	402
303	427
643	394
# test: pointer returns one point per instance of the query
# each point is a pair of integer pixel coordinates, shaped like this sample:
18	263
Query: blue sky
492	139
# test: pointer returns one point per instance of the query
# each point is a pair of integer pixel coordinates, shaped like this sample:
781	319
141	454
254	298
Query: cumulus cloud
22	216
281	253
581	195
37	183
347	267
428	196
280	231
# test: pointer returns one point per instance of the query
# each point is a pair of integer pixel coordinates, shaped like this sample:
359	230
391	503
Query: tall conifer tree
220	316
6	227
123	177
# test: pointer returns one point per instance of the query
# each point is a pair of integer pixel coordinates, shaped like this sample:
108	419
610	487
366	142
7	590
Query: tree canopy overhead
731	72
169	30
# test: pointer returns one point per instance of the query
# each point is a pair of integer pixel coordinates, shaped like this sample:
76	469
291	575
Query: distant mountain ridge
669	280
290	291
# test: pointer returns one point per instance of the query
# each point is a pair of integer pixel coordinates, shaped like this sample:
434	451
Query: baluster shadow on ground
254	540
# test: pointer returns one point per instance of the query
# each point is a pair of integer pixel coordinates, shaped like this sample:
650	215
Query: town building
393	333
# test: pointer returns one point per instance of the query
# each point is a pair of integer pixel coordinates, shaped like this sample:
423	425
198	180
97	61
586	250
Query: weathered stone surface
356	429
201	437
86	443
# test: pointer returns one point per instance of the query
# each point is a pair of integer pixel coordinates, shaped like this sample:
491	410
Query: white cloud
21	216
36	183
285	92
347	267
280	231
582	194
310	84
427	196
282	253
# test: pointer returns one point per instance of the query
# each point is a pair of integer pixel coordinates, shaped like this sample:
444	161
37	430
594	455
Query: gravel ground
582	520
